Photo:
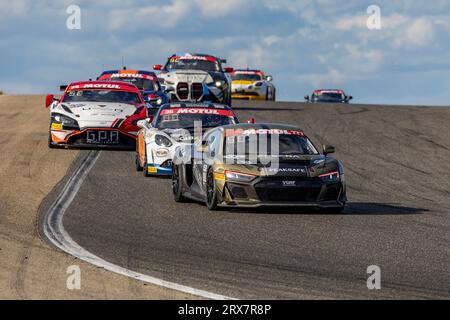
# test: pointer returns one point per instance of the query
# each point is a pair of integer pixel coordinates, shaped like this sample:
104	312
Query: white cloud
419	32
222	8
272	39
166	16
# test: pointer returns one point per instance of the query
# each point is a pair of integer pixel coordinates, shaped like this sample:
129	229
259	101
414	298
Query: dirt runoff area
29	170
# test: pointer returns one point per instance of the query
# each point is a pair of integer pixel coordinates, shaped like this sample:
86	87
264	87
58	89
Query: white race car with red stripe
176	125
96	114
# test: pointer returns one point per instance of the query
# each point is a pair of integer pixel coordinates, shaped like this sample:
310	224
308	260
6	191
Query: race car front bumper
270	192
93	138
248	96
159	170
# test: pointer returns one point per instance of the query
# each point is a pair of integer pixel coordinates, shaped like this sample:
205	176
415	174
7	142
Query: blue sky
303	44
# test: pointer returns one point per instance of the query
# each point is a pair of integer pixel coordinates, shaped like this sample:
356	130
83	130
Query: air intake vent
183	91
197	91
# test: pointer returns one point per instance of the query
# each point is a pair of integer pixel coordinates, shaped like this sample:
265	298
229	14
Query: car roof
129	71
246	126
183	54
329	90
247	70
196	105
126	71
117	85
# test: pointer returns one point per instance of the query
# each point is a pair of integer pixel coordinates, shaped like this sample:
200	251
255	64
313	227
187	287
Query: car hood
184	135
100	114
288	166
189	76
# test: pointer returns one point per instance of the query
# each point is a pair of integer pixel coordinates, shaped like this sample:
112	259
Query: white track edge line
54	230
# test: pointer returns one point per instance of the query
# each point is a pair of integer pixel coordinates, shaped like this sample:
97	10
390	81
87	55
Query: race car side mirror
229	70
63	87
157	67
307	98
350	98
269	78
251	120
49	100
328	149
143	124
153	98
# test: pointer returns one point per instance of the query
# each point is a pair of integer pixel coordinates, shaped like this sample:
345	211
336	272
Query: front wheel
176	185
51	145
145	168
211	192
139	168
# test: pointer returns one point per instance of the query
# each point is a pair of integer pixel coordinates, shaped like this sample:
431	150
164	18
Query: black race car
255	165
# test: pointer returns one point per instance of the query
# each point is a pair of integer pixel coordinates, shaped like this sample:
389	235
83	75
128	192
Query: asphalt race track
397	169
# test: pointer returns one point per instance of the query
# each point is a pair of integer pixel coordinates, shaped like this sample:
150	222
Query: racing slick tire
139	168
270	94
145	169
176	185
228	101
274	95
211	192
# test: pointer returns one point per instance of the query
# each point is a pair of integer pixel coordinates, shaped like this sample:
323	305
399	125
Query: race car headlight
219	83
239	176
330	177
163	141
64	120
258	84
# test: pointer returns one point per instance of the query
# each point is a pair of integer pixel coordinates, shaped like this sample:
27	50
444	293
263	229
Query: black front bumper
287	191
81	140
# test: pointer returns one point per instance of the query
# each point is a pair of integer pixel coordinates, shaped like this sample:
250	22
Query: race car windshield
191	64
330	96
277	145
140	83
188	121
101	96
246	77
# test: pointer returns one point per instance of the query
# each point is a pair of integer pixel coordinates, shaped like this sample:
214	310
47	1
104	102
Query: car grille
186	92
183	91
332	192
299	190
197	91
123	141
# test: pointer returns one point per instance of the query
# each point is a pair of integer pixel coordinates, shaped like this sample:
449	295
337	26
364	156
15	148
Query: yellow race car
252	85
